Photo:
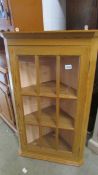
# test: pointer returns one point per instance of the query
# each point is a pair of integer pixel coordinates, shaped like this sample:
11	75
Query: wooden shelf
67	92
32	119
48	89
49	140
48	116
29	91
63	145
65	121
48	119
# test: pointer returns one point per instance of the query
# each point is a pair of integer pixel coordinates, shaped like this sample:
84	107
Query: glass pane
30	107
48	75
48	138
33	136
69	76
66	139
27	71
67	113
48	112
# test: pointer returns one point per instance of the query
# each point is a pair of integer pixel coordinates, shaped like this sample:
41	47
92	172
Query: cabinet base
51	159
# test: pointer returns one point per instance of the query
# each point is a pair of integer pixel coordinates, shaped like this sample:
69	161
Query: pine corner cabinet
51	75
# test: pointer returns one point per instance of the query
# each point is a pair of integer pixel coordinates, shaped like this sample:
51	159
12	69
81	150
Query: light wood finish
48	119
49	98
31	18
92	65
49	89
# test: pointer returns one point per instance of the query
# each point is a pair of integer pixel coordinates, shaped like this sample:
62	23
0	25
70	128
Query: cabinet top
66	34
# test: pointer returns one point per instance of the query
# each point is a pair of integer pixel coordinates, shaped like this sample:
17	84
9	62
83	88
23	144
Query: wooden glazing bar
38	98
57	122
58	75
37	74
57	99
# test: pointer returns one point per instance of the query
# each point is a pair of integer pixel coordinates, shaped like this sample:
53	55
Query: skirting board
93	146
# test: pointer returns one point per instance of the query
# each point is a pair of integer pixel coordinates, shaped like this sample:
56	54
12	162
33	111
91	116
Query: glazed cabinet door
50	90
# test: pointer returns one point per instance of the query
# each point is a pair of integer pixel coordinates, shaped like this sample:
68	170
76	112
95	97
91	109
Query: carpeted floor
12	164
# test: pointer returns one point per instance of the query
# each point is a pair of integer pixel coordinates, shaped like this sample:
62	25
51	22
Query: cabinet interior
49	99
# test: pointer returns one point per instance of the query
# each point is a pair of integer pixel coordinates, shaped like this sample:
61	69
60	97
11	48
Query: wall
54	14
